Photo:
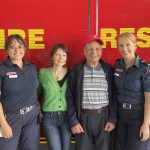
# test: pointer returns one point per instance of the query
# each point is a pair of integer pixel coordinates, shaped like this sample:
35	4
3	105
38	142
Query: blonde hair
128	35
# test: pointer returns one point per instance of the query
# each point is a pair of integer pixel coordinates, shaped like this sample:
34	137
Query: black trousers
94	136
128	130
25	129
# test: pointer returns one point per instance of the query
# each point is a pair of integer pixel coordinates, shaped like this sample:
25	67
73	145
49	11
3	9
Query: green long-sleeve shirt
53	95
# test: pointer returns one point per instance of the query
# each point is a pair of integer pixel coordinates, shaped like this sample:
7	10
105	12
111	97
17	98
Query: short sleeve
0	86
40	89
146	83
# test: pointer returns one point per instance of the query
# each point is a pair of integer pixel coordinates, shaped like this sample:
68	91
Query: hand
144	132
109	127
6	131
77	129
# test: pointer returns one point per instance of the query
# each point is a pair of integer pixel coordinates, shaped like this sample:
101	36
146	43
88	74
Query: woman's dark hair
55	48
16	37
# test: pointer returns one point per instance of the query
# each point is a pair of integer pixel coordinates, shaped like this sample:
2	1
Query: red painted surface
67	21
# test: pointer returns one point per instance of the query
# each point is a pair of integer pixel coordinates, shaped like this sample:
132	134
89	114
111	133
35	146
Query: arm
40	89
112	118
6	129
145	131
71	97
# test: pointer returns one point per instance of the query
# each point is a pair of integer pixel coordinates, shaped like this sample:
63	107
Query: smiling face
127	48
93	52
15	50
59	57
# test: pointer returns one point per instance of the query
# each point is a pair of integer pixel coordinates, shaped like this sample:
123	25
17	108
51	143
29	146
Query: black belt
95	111
131	106
54	112
21	111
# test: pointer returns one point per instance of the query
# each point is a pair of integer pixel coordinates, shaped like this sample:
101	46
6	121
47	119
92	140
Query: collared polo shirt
18	87
131	83
95	94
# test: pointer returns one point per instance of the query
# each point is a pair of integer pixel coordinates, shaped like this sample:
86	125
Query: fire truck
45	23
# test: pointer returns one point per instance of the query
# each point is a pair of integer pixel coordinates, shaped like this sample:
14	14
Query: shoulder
145	63
118	61
1	64
105	64
30	64
4	67
78	67
145	67
44	70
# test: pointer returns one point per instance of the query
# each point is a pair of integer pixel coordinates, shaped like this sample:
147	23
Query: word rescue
109	36
35	37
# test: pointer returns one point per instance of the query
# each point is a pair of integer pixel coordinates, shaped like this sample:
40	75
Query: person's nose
125	48
94	52
61	56
16	49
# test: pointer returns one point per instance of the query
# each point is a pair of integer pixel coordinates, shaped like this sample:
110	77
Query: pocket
133	84
118	81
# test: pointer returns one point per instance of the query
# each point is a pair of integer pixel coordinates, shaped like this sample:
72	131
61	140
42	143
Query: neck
129	61
58	72
93	64
57	69
19	63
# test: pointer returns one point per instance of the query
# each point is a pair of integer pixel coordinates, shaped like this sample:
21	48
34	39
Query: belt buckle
24	110
126	106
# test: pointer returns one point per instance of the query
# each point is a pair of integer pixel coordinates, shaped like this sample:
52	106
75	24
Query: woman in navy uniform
132	80
18	100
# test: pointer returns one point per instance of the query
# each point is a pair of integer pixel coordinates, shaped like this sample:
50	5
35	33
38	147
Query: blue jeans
57	131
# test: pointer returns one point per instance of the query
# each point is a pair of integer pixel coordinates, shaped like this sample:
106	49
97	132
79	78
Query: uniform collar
8	62
136	64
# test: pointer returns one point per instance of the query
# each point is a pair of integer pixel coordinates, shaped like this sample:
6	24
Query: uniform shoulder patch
145	62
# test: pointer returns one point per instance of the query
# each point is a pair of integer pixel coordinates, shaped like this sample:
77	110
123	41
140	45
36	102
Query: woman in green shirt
52	86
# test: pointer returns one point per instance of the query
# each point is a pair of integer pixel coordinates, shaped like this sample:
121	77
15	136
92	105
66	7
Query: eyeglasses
15	48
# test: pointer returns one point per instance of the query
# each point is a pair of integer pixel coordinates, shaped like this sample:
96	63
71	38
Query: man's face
93	52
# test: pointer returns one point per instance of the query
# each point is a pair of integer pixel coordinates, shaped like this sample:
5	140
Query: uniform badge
12	74
119	70
116	74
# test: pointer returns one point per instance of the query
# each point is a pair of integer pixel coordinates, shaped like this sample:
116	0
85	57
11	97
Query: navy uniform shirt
131	83
18	87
